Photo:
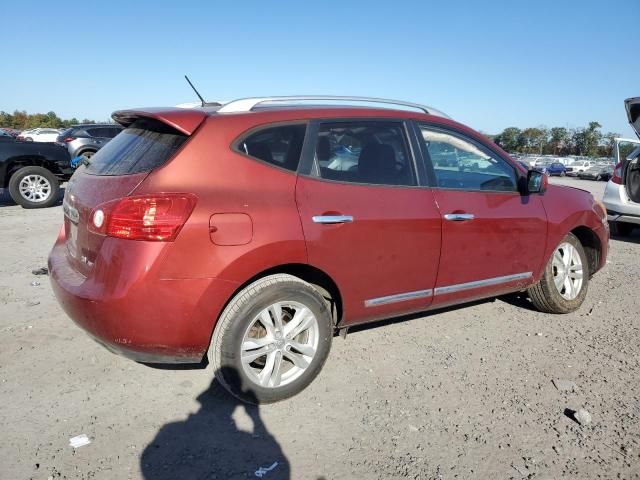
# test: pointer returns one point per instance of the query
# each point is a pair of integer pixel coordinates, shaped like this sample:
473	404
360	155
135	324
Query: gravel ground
464	393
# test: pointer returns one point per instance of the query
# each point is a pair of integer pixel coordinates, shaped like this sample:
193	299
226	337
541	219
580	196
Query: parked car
39	135
218	232
33	171
5	137
578	166
622	193
10	131
85	140
597	173
556	169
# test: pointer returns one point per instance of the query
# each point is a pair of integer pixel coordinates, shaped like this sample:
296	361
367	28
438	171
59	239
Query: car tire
621	229
562	174
242	334
87	154
34	187
564	284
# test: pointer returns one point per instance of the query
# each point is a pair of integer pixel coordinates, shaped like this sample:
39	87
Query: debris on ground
32	303
79	441
40	271
565	385
582	417
262	471
35	284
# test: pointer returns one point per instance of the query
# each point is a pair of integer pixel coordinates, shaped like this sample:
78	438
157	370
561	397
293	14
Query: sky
489	64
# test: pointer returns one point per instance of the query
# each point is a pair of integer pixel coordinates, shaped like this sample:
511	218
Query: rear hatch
112	173
631	175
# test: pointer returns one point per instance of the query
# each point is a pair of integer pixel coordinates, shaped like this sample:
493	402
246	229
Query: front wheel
34	187
563	286
272	339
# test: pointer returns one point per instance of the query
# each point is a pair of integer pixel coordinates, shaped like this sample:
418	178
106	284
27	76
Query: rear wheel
272	339
563	286
86	155
34	187
621	229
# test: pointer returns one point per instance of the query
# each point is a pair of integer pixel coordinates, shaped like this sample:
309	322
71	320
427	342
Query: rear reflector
157	217
617	174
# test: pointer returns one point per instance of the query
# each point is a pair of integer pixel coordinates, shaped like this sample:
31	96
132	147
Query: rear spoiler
181	119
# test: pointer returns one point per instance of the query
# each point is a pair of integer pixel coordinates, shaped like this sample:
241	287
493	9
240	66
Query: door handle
332	219
459	217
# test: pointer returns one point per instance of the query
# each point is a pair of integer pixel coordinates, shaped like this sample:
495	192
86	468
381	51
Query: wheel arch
591	244
16	163
82	150
310	274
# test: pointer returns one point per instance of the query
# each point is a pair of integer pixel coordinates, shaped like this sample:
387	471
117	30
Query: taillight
68	139
617	174
157	217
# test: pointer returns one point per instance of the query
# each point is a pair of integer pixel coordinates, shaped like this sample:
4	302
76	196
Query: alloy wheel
35	188
567	271
279	344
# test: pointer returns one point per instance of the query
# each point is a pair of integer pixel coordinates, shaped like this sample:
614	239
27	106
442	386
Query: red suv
255	230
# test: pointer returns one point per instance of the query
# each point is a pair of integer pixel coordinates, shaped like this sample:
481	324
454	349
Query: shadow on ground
209	444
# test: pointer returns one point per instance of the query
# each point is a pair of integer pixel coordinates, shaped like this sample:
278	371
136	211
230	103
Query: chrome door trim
332	219
400	297
459	217
482	283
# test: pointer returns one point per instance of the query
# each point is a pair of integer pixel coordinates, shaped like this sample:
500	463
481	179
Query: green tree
560	140
509	139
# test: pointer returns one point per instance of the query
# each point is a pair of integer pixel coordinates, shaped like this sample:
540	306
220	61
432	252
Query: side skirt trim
482	283
403	297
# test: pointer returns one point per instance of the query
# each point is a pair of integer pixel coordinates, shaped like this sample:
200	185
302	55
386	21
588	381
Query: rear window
146	144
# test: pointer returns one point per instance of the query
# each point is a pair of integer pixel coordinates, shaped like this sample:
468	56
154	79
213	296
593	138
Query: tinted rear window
145	145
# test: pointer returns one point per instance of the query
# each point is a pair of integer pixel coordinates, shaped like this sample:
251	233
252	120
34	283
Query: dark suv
85	140
252	232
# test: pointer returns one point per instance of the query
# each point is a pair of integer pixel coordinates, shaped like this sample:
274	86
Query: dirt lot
464	393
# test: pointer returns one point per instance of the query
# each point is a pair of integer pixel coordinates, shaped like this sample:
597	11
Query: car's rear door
368	220
493	238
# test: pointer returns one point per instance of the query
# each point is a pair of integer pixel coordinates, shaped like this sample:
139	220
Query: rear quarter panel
227	182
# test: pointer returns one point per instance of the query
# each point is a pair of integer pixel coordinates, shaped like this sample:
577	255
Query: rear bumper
126	308
619	207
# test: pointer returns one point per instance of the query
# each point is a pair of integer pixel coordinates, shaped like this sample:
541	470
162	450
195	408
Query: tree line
587	141
21	120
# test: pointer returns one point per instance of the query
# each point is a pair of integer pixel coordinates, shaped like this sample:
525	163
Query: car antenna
204	104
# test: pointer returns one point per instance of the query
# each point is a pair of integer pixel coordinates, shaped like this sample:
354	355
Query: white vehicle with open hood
622	194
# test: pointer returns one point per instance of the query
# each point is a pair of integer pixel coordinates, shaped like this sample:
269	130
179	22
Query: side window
94	132
364	152
460	164
280	146
113	131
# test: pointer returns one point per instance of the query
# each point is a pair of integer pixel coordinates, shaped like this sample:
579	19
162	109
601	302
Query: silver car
622	194
85	140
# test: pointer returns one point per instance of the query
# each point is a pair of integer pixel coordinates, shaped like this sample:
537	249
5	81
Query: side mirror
537	182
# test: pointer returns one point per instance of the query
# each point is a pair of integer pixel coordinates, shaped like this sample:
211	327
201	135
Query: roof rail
248	104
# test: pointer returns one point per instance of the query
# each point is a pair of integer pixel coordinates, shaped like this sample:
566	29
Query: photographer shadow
209	445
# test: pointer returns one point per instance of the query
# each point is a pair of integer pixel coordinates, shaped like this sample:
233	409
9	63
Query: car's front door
367	221
493	238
